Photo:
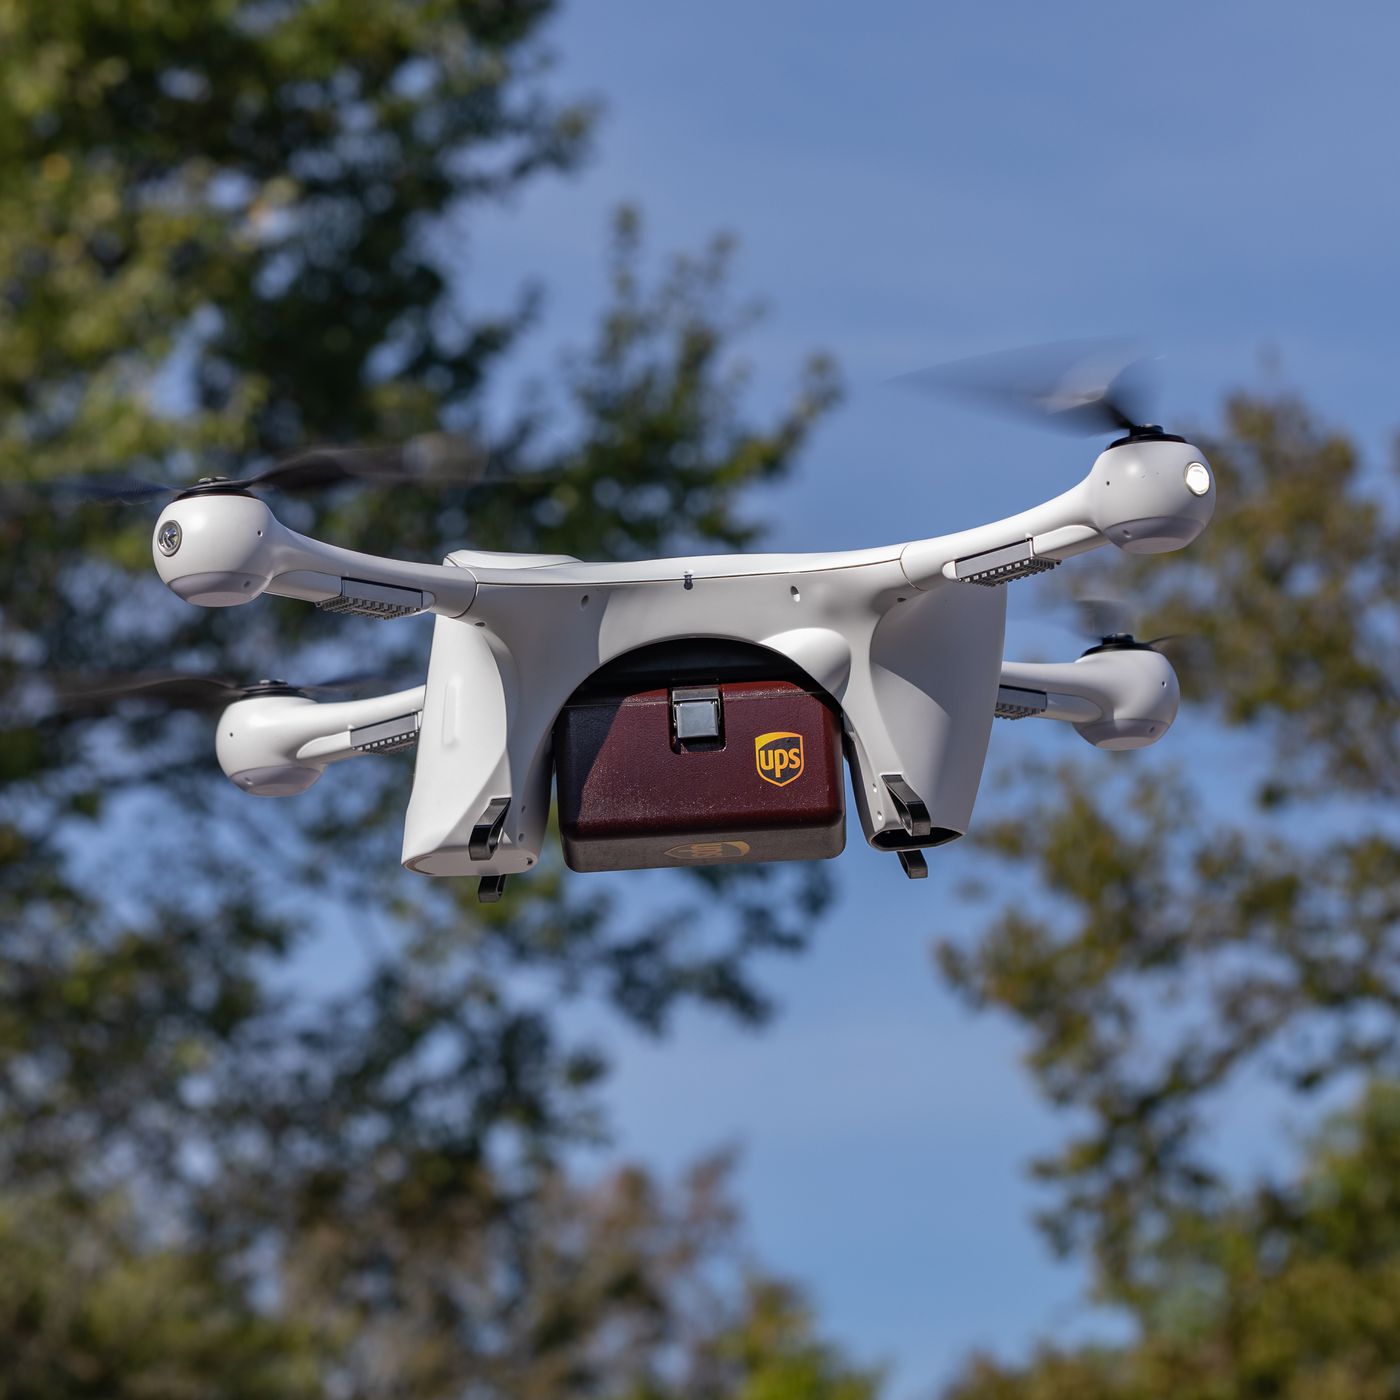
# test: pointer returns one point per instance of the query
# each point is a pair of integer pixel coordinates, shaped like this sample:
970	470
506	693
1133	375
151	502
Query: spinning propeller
1078	386
431	459
190	689
1108	623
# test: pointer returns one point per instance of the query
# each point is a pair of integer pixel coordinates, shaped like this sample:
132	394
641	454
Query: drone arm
1006	548
277	745
1145	496
1029	697
218	550
1116	699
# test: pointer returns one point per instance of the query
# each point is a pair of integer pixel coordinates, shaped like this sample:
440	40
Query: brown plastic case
631	795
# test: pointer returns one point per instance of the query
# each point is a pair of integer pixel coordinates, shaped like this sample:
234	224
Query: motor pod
257	745
1151	494
217	549
1137	690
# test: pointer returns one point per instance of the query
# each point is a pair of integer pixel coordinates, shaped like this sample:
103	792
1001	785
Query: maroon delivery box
700	775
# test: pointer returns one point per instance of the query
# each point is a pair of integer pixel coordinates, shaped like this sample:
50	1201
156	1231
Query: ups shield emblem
779	758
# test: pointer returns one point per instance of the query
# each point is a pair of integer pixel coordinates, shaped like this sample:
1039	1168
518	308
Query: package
748	770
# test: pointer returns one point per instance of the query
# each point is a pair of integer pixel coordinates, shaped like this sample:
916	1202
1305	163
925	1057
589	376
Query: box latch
696	713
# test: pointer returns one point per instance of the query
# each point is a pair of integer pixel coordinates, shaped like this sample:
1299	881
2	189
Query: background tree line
232	230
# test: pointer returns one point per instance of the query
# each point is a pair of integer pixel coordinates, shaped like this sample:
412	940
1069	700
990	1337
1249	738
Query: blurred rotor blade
192	690
309	471
1103	617
1079	386
342	685
178	689
114	489
431	459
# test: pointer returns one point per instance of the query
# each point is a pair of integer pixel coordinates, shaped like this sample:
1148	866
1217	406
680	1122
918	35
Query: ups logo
710	850
779	758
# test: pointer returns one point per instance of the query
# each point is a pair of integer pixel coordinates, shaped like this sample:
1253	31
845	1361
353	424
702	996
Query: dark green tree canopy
1202	926
230	231
207	263
1290	1291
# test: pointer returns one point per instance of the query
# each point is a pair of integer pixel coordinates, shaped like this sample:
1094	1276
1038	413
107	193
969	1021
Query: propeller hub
213	486
1118	641
1146	432
270	687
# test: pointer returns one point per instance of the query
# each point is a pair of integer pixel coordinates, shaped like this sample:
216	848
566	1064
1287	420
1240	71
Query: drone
704	710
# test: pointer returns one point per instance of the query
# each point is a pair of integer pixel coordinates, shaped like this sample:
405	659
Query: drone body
903	645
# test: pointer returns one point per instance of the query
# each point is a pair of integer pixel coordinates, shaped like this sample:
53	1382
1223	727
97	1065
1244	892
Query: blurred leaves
616	1288
1288	602
1291	1291
87	1308
324	1104
1189	934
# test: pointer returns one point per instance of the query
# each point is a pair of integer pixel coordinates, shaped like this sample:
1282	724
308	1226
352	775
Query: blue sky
909	183
913	182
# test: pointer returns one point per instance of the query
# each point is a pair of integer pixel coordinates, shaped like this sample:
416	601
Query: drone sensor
360	599
999	566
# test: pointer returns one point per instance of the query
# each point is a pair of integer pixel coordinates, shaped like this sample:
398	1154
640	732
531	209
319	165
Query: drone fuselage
906	639
915	673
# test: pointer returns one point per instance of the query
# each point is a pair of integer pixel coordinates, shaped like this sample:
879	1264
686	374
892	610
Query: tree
1284	1291
1199	927
89	1308
619	1288
227	231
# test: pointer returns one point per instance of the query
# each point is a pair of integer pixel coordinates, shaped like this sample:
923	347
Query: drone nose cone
258	743
1152	495
1138	694
214	550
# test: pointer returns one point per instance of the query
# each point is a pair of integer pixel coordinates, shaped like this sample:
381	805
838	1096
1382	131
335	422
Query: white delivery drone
698	710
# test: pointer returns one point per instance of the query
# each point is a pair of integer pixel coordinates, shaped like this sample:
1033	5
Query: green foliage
1210	925
87	1309
1284	1292
618	1289
229	231
566	1290
1287	602
770	1353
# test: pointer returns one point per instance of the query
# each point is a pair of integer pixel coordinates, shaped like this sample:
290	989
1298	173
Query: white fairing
902	637
1115	699
231	548
876	645
1135	496
277	745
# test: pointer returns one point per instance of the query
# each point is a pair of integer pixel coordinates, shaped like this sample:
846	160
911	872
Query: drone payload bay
699	710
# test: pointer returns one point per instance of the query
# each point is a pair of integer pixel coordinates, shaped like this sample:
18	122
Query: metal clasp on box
697	714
